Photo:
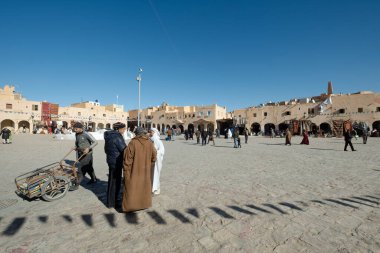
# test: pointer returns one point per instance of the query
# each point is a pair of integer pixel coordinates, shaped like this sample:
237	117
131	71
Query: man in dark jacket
204	137
347	138
114	146
84	143
5	133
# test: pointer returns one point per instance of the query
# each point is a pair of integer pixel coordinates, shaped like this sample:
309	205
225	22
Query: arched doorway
376	125
163	128
24	126
108	126
255	128
181	127
91	126
159	127
210	126
190	127
100	125
268	127
8	124
282	127
325	128
174	126
154	125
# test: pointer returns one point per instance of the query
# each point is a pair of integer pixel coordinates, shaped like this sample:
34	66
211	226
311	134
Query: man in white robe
159	146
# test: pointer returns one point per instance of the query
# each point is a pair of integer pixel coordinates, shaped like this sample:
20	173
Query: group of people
6	135
139	163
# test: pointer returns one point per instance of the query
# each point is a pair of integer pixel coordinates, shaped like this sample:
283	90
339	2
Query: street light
138	78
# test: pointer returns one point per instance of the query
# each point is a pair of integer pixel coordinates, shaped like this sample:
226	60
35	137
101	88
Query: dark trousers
365	139
198	140
348	143
84	168
204	141
246	138
114	185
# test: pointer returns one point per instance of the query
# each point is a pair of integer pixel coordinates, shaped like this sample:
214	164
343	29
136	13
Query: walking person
159	146
288	137
204	137
305	139
84	143
114	145
139	159
198	135
365	135
246	133
235	135
347	138
5	135
211	137
169	133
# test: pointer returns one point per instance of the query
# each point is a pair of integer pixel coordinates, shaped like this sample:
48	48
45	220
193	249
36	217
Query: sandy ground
264	197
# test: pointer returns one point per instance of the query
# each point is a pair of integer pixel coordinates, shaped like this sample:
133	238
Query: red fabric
305	139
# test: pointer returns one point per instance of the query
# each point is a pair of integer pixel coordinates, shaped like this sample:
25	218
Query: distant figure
217	132
191	134
347	138
246	133
186	133
365	135
226	133
236	137
288	137
84	143
169	133
272	133
159	146
238	142
198	135
204	137
305	139
229	133
6	134
139	158
211	137
114	145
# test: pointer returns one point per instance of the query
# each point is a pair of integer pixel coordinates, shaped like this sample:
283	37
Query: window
254	115
34	107
200	113
93	115
79	113
265	114
342	110
360	109
8	106
310	111
378	109
209	113
288	113
104	115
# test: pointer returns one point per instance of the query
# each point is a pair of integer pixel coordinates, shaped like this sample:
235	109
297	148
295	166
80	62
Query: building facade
320	114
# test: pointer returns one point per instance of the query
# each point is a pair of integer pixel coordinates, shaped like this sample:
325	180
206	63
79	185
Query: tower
329	88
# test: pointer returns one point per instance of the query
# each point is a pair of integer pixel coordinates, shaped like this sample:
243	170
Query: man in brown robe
139	158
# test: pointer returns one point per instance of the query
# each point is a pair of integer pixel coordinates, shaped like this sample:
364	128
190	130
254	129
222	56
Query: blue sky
233	53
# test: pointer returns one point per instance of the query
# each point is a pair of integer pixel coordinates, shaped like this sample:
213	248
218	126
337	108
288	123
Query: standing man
236	137
365	134
6	134
204	137
246	133
84	143
159	146
139	158
198	135
114	146
288	137
347	138
170	132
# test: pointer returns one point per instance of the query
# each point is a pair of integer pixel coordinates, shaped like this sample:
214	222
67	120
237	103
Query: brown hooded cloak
139	157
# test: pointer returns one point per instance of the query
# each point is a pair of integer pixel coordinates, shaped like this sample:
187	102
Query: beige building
17	113
179	117
21	115
324	114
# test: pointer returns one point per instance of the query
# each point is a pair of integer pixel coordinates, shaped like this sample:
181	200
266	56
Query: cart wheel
55	188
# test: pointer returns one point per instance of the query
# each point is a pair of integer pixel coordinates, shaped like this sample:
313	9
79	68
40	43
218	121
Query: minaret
329	88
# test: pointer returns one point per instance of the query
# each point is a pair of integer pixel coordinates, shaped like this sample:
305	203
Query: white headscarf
157	141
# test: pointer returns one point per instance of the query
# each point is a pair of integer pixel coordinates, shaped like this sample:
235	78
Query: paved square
264	197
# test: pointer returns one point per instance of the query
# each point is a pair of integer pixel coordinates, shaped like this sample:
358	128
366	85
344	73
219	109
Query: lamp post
138	78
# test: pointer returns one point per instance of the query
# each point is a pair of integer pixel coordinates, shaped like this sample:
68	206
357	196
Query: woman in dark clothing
114	146
305	139
5	133
347	138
